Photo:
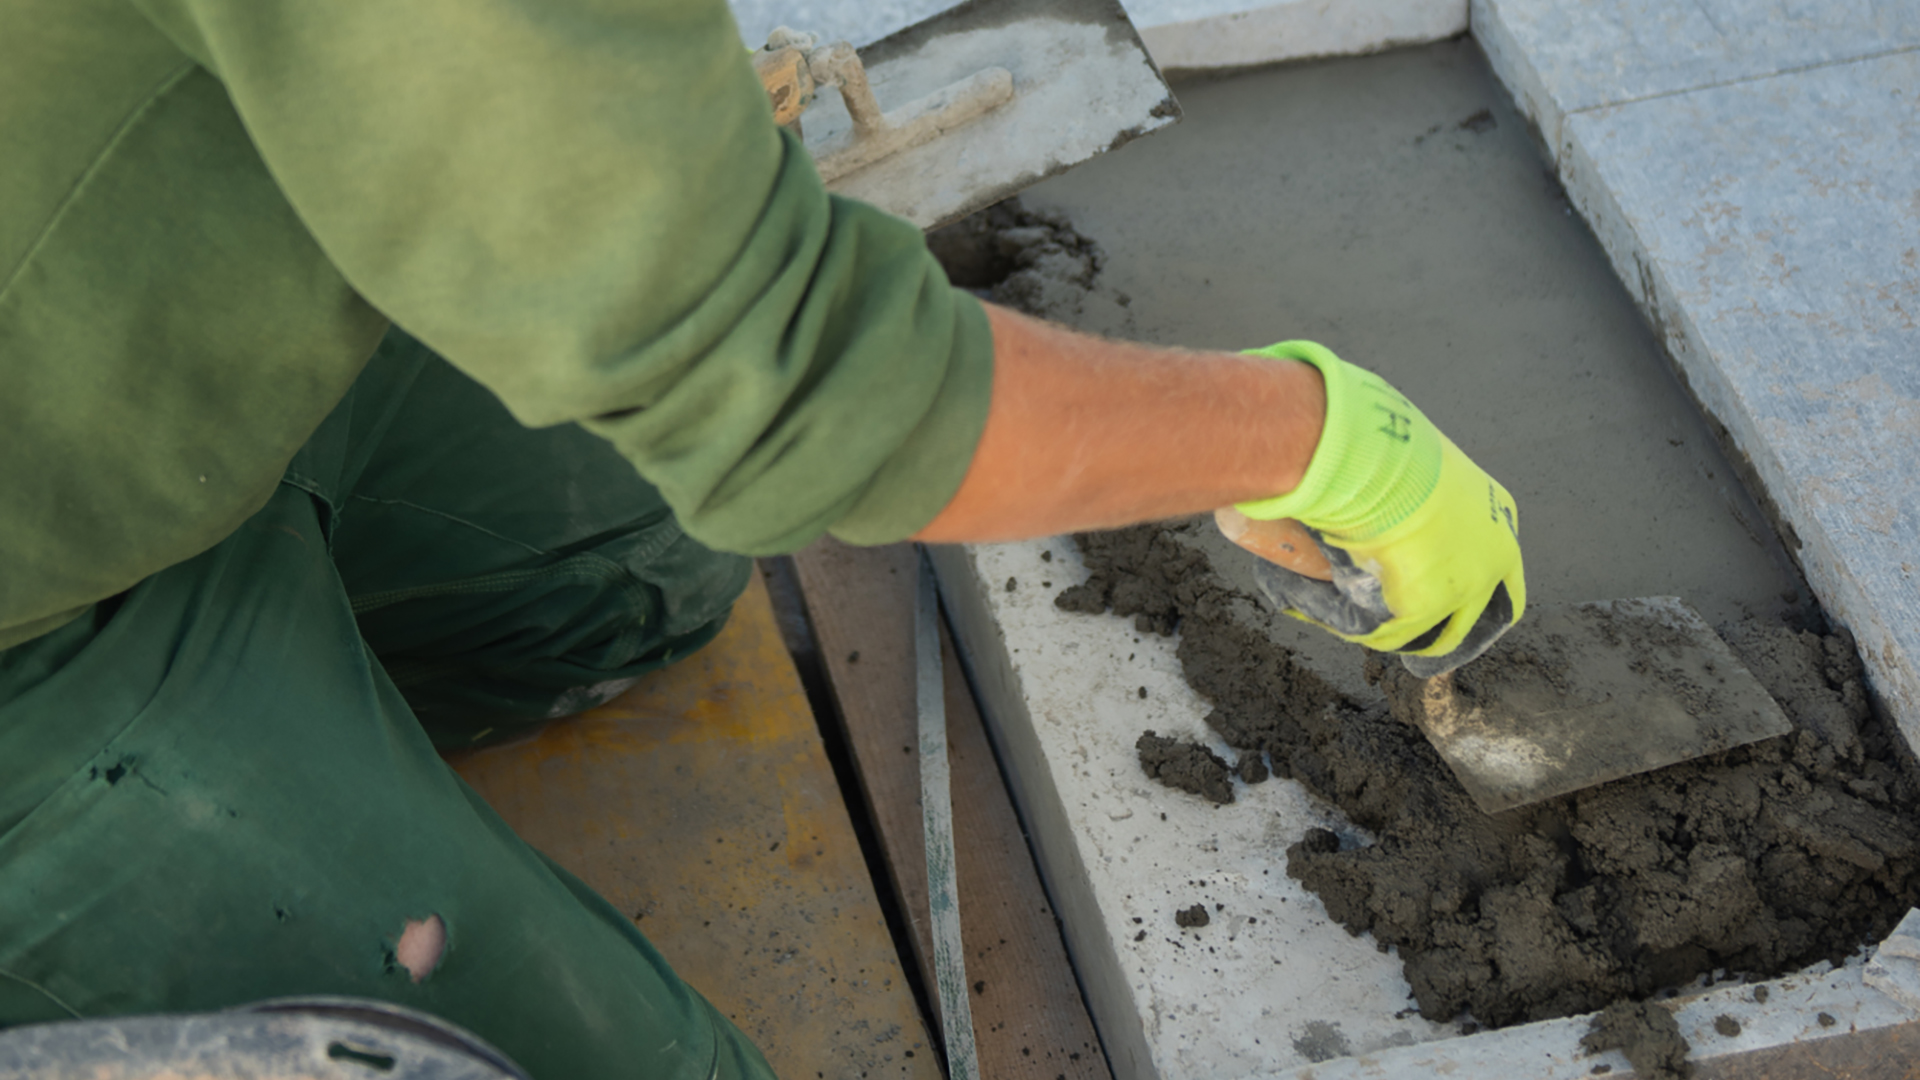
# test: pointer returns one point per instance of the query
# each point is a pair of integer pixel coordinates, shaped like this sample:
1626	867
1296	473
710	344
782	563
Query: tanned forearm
1084	433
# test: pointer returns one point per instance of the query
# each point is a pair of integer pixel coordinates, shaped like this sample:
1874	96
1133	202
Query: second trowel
969	106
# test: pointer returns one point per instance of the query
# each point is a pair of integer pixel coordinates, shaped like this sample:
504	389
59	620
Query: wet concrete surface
1396	209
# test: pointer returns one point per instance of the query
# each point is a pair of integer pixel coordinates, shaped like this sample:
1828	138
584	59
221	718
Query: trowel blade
1580	694
1082	85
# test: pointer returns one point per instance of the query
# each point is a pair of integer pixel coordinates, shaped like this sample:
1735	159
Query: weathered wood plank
702	804
1028	1014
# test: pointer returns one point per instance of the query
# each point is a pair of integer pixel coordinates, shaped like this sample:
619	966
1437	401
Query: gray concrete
1346	202
1196	36
858	21
1765	215
862	21
1550	1050
1182	34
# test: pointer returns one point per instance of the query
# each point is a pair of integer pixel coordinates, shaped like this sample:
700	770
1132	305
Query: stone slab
1565	57
1181	34
1199	40
1770	230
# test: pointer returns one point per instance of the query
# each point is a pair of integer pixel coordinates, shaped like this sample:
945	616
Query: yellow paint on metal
702	804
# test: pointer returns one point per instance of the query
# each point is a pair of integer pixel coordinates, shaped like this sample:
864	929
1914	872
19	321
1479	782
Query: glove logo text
1397	426
1500	511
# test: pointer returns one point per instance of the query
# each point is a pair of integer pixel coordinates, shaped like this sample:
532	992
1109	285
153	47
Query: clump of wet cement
1647	1034
1759	860
1033	261
1186	766
1192	917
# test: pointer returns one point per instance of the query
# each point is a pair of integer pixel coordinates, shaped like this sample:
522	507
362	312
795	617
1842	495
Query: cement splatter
1321	1040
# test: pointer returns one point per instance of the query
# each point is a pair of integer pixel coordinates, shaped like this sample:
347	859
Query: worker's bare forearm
1086	433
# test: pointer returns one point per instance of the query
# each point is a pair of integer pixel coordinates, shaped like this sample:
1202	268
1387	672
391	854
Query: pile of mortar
1755	862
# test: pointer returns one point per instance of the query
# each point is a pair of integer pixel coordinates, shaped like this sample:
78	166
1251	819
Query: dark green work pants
223	785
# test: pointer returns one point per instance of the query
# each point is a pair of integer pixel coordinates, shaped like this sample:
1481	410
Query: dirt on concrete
1757	861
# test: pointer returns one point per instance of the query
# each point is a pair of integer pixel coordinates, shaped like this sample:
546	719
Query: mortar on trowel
1574	695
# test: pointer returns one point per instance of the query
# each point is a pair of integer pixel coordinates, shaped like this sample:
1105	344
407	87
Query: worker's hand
1421	548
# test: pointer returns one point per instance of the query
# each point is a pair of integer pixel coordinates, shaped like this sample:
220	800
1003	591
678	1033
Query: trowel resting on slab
1574	695
965	108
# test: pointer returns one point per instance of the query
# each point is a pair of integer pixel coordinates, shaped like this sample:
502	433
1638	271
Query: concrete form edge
1551	1050
1301	30
1889	668
984	654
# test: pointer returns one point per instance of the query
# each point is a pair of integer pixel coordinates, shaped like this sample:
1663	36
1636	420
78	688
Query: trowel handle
788	81
1285	542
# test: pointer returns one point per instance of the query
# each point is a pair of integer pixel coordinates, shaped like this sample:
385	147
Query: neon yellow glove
1424	545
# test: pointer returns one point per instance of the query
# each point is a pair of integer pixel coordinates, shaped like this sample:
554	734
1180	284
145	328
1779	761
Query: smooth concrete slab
1566	56
1770	230
1394	209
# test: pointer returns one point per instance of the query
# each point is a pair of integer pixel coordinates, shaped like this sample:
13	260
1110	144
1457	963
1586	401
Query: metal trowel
1580	694
965	108
1574	695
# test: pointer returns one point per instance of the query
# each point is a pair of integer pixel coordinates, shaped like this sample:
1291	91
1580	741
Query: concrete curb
1300	30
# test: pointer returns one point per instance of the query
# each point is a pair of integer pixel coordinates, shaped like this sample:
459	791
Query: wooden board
701	802
1029	1018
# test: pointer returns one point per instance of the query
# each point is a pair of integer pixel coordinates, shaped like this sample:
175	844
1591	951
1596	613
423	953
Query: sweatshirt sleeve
586	206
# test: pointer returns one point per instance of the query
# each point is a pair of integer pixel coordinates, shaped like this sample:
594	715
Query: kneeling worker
390	376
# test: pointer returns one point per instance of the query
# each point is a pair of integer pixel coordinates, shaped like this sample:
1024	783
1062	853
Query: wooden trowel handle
1285	543
789	83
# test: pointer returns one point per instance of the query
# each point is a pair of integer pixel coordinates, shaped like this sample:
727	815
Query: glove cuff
1377	460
